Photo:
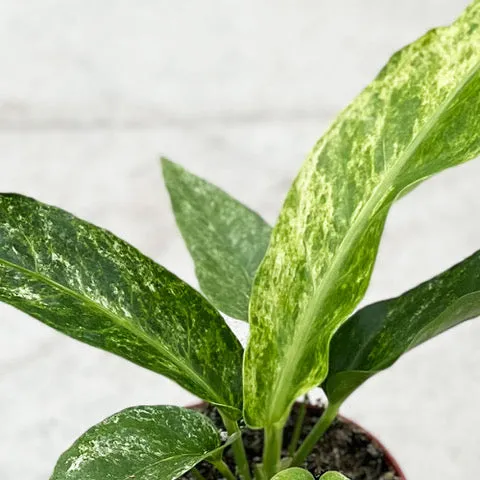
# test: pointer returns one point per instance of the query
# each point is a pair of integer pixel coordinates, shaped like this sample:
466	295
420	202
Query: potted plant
296	284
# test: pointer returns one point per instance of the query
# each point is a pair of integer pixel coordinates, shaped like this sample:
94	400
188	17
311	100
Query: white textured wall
91	92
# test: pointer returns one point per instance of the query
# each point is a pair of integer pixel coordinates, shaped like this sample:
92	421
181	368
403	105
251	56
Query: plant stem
238	449
222	467
197	474
258	472
298	427
272	450
314	436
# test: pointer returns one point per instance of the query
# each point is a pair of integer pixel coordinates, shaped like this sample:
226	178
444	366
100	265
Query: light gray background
92	92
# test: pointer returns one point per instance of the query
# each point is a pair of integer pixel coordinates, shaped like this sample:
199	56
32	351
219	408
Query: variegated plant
296	284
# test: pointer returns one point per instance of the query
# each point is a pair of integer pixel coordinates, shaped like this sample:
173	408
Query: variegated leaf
141	443
226	239
89	284
420	115
293	474
377	335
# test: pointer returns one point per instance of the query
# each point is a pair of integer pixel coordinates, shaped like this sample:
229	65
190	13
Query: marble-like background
91	93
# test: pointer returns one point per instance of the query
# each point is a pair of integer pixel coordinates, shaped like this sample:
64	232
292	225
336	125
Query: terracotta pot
389	458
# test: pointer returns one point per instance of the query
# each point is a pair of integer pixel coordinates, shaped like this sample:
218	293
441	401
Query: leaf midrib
381	365
306	321
117	319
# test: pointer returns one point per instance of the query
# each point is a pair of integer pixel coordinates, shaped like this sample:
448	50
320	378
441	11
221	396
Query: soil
344	448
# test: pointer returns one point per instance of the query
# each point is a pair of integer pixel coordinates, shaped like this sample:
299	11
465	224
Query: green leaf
420	116
377	335
226	239
89	284
333	476
293	474
141	443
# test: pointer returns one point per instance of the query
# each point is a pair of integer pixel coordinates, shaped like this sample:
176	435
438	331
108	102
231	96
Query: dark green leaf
89	284
226	239
420	116
377	335
293	474
141	443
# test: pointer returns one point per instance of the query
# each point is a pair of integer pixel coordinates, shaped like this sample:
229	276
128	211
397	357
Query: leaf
89	284
333	476
226	239
377	335
293	474
141	443
420	116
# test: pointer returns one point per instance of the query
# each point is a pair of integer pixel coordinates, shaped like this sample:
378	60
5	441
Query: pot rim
389	457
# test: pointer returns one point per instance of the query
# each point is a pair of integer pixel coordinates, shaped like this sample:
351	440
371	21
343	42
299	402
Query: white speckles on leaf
145	443
89	284
27	293
420	115
76	464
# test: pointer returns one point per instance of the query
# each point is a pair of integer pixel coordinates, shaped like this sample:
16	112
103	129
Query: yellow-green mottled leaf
226	239
420	116
293	474
89	284
141	443
377	335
